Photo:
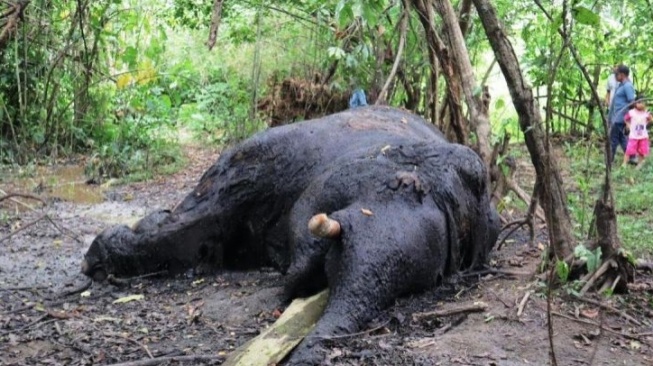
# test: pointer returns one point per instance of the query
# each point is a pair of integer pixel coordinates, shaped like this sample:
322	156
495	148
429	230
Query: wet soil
51	315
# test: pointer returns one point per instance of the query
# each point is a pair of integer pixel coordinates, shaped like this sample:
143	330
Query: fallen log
275	343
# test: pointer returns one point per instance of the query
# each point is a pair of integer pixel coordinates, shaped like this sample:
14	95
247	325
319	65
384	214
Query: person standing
636	120
623	97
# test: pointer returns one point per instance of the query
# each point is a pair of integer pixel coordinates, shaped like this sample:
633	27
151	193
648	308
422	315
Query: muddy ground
50	314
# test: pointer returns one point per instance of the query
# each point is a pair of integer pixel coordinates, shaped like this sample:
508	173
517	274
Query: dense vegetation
126	81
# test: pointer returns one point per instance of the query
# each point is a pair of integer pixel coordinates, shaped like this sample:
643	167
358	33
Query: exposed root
466	308
180	359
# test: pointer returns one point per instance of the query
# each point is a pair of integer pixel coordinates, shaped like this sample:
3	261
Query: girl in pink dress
636	120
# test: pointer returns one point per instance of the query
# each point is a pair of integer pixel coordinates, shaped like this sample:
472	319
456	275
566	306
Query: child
636	120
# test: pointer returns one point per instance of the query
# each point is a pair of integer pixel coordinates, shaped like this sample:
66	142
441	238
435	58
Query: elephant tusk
321	225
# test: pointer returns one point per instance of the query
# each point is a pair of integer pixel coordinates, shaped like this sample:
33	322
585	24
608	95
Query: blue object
623	96
358	99
617	138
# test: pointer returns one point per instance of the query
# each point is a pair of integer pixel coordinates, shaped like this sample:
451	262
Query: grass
583	166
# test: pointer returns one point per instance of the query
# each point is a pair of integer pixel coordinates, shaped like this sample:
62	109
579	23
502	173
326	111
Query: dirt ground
52	315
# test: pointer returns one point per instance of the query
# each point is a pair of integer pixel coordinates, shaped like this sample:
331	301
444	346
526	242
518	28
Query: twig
629	336
496	271
159	360
609	308
22	308
8	236
468	308
517	227
125	281
598	273
522	304
23	288
143	346
549	325
85	286
24	328
341	336
22	195
63	230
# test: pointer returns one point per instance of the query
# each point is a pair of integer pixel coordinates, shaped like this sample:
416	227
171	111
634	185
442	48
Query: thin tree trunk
403	27
215	23
439	56
552	194
462	65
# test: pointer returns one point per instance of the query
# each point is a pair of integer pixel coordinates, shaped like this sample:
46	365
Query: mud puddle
62	183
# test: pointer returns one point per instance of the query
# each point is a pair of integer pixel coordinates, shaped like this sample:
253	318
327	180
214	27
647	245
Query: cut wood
271	346
476	307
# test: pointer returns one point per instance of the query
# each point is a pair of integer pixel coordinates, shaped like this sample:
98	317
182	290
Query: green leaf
585	16
130	57
562	270
500	104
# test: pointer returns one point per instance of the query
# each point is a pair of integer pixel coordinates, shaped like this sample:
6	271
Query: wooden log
276	342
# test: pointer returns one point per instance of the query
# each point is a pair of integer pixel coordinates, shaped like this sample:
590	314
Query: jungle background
130	91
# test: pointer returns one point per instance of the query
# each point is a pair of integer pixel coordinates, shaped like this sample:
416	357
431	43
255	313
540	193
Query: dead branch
83	287
518	223
143	346
598	273
160	360
13	15
637	337
523	302
22	195
610	309
467	308
512	185
497	271
403	26
357	334
31	223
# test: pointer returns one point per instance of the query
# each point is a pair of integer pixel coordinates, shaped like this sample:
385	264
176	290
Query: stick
599	272
144	347
522	304
79	289
517	227
468	308
23	288
610	308
8	236
341	336
160	360
22	195
629	336
497	271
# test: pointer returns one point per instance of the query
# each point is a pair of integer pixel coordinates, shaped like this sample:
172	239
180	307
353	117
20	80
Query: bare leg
641	162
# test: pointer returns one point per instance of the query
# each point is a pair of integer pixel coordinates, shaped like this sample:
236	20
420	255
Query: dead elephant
398	208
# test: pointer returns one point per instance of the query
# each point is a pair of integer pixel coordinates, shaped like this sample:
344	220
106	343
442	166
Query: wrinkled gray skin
431	216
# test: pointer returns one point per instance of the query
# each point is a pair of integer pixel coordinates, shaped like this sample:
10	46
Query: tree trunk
464	71
439	54
552	194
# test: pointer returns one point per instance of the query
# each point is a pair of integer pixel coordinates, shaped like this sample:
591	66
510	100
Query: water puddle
66	182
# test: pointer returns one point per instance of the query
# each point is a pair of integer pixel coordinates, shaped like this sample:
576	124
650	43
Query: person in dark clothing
624	96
